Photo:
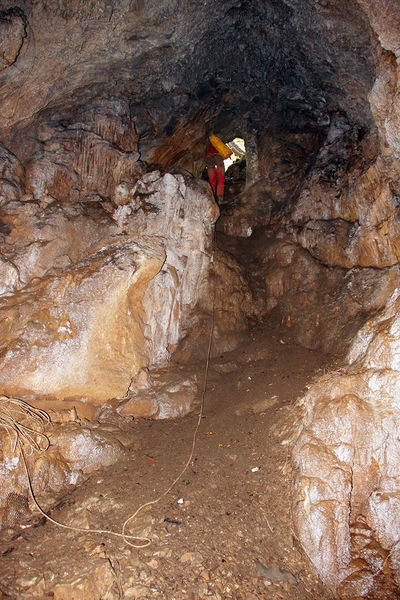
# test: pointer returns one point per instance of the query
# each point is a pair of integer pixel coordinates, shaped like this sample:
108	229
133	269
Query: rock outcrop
79	335
346	496
93	293
322	307
75	451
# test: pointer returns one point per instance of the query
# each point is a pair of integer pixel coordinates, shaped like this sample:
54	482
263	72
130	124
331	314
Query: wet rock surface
60	337
346	494
92	296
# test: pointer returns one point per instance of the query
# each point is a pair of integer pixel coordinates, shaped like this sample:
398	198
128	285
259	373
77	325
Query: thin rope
12	411
37	440
147	541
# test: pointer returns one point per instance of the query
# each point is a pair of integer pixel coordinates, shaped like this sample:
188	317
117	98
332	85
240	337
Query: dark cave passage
110	279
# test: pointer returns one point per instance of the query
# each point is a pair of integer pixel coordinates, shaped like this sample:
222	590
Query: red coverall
216	171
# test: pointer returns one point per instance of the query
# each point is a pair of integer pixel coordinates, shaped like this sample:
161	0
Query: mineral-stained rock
168	207
142	405
345	214
75	451
96	583
170	398
347	460
49	236
86	155
12	34
230	311
384	19
93	294
79	334
11	176
323	307
283	159
85	449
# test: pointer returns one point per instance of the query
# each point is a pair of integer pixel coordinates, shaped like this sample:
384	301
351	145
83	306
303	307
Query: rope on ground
13	410
25	422
189	460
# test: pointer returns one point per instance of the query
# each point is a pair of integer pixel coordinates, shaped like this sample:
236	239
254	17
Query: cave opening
128	296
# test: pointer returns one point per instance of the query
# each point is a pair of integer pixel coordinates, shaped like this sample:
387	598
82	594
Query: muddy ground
223	532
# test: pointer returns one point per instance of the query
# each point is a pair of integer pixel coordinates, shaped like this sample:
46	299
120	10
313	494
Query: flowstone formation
347	497
94	294
346	492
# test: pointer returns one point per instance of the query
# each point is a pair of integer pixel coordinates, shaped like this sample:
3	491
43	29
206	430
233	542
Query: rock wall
322	307
76	449
95	291
323	236
347	489
347	484
323	223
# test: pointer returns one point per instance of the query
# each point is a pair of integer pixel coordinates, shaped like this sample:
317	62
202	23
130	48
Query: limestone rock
143	405
12	34
167	206
348	479
85	156
11	178
95	584
230	311
321	307
75	451
301	76
283	161
88	308
384	18
63	330
169	398
48	237
85	449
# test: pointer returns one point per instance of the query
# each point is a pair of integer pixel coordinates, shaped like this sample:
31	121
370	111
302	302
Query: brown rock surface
106	270
322	307
86	156
91	296
173	393
75	451
12	34
346	211
83	448
67	335
346	499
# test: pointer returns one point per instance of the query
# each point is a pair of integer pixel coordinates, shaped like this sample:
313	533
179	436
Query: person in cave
216	171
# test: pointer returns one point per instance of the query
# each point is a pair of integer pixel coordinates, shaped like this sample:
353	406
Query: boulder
75	451
80	334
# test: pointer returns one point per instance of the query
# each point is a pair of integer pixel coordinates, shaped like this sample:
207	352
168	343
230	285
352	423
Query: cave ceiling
233	66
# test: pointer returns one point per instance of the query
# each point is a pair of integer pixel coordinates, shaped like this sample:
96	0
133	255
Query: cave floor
219	531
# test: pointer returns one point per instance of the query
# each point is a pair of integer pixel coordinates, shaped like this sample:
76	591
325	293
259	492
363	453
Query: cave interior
116	261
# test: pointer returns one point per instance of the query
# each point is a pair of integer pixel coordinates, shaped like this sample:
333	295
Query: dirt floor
223	532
